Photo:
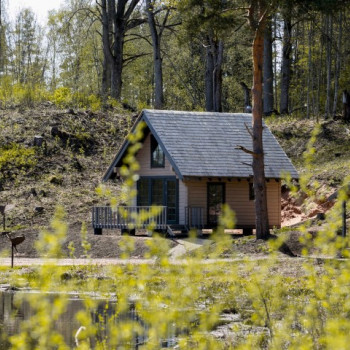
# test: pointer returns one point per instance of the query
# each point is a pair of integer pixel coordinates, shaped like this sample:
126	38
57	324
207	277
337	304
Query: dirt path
72	262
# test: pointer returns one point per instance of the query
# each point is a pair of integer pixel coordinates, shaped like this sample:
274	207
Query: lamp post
15	241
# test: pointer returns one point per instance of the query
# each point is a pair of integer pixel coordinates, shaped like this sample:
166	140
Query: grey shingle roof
204	144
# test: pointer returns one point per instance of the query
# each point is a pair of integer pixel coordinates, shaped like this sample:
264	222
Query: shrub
62	97
15	158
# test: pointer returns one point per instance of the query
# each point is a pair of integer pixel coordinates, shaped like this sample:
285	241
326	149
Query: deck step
173	230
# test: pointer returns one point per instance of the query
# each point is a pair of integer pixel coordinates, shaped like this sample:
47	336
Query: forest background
192	56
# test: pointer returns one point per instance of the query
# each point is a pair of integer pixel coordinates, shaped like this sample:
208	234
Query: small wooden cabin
190	165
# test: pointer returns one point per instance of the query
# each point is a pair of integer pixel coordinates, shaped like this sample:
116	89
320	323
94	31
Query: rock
76	164
66	276
42	193
33	192
39	210
71	111
296	210
47	104
321	216
38	141
284	189
9	207
285	249
56	180
314	213
56	132
300	200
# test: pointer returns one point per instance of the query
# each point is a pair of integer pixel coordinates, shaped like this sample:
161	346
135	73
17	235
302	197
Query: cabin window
157	154
143	192
251	191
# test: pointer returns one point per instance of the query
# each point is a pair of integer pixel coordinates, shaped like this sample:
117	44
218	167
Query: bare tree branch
132	58
248	164
241	148
249	131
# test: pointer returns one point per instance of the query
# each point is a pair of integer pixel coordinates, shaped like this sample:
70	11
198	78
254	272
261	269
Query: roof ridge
171	111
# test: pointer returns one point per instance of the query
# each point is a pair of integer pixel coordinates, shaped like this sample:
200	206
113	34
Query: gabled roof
203	144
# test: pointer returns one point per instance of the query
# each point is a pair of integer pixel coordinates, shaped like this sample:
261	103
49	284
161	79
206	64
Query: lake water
14	309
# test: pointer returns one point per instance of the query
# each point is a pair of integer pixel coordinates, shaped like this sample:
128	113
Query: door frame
165	192
223	185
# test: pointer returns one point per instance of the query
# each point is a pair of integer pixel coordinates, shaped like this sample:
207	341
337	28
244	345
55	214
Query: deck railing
140	217
194	217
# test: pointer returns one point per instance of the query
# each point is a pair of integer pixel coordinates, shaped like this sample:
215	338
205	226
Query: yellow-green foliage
20	94
15	158
63	97
280	303
30	94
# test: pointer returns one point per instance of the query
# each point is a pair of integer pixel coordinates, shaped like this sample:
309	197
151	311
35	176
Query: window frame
149	184
154	146
251	191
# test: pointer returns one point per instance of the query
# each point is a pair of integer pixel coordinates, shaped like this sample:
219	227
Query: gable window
251	191
157	154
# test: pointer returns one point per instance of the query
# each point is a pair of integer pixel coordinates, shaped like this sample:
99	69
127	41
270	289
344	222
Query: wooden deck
129	218
142	218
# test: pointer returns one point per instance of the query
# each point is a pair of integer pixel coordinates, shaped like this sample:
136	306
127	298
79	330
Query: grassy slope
65	173
331	161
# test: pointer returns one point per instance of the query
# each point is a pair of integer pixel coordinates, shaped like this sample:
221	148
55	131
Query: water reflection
14	309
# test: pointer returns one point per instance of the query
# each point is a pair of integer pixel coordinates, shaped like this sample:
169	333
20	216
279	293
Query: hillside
79	145
65	170
325	167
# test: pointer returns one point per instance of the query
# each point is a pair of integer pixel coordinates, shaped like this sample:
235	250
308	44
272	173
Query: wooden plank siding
237	196
143	157
194	192
183	202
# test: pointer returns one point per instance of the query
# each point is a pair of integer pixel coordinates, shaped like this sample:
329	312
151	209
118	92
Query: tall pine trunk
257	18
118	48
209	83
107	54
157	57
1	39
286	65
217	77
338	63
329	28
268	71
309	74
114	26
213	74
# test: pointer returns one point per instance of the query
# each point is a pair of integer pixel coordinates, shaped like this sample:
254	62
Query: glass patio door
159	191
216	197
